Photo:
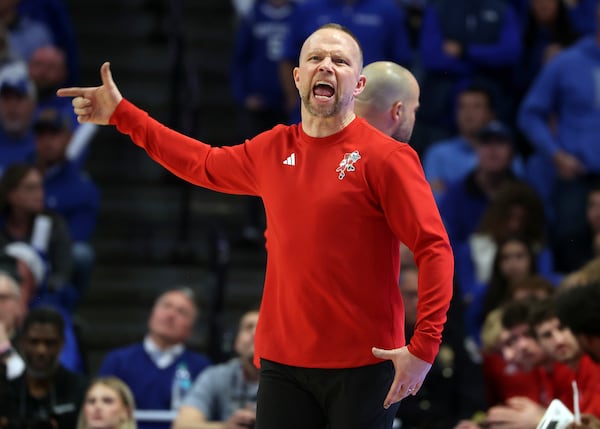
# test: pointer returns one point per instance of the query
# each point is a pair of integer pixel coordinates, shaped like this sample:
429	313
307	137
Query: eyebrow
321	51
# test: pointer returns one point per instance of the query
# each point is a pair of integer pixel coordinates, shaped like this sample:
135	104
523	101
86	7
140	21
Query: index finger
393	393
70	92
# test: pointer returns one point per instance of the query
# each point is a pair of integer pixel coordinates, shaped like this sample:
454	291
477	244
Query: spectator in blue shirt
548	30
55	15
560	116
17	107
450	160
256	85
68	191
25	34
149	367
257	52
466	200
461	42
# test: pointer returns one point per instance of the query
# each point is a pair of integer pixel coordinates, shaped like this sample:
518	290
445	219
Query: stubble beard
321	111
402	135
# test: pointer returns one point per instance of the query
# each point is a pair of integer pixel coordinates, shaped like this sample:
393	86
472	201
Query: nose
522	344
559	337
326	64
40	349
508	353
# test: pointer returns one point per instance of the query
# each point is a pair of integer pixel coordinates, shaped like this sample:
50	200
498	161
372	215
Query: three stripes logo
290	160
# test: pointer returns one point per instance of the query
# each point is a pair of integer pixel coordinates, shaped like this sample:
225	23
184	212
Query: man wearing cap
68	190
17	106
449	160
465	201
48	71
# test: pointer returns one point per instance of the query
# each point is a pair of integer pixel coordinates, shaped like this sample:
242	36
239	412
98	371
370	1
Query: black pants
307	398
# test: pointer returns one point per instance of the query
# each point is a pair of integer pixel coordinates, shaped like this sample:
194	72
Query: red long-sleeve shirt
337	208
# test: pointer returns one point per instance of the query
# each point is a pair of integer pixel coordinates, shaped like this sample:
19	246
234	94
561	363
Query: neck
18	223
490	182
162	343
38	387
573	363
317	126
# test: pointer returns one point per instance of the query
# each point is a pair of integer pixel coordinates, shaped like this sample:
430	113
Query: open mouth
323	90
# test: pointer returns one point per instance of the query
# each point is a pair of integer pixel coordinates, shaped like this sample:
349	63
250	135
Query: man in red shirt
339	198
561	345
578	308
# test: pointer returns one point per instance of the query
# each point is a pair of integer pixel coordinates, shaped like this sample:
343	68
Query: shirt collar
162	358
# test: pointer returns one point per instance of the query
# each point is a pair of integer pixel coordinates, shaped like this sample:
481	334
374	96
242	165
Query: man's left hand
410	373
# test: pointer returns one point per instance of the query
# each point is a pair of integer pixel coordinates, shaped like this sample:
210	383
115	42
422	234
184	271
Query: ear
397	111
585	341
360	85
296	73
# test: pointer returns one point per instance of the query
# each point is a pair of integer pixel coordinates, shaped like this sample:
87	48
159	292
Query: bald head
390	99
387	82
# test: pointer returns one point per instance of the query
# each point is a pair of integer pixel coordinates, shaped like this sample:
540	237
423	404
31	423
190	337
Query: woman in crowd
108	404
24	218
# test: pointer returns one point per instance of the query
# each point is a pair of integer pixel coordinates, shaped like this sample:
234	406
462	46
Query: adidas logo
290	160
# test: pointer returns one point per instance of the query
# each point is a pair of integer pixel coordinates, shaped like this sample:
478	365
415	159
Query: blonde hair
589	273
490	331
123	392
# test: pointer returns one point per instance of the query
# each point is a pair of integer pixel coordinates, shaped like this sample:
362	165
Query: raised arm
95	104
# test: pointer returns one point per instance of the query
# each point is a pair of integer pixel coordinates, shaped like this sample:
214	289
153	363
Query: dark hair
498	288
44	316
9	266
578	308
516	313
11	178
561	29
542	311
595	186
336	26
532	283
476	88
493	221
